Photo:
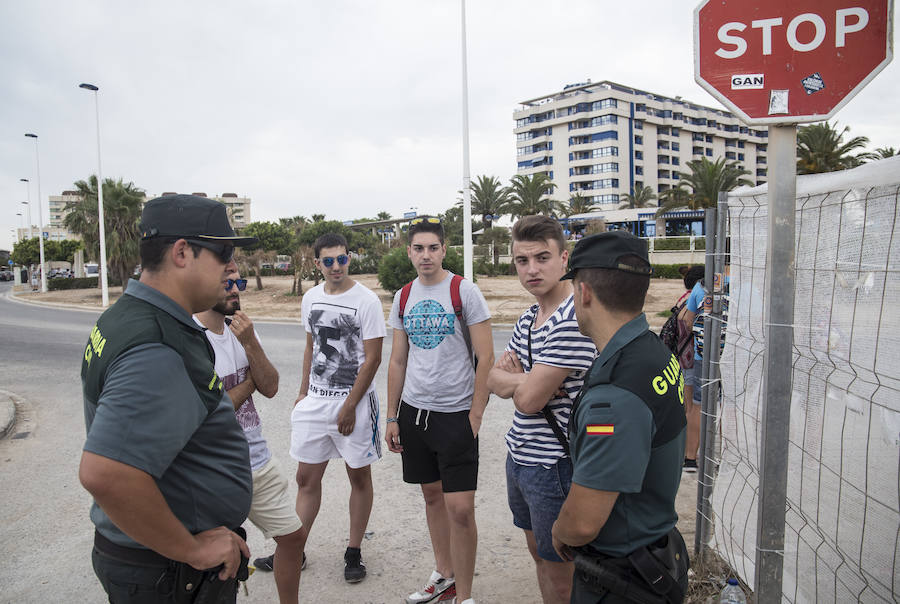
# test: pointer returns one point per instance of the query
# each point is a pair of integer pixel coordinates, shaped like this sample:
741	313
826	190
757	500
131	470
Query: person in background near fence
244	367
693	282
627	432
336	413
435	425
542	370
165	459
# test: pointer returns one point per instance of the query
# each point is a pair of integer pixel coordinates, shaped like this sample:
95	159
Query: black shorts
438	446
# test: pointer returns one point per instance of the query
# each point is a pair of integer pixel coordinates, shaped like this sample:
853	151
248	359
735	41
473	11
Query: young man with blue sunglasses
336	413
245	369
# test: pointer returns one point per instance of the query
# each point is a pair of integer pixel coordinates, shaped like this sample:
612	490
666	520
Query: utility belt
653	574
178	579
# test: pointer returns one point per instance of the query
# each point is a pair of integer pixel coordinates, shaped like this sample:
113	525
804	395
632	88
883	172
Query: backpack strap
404	296
456	302
455	298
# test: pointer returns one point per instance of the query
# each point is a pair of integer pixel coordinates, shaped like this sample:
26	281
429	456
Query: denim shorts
692	377
536	494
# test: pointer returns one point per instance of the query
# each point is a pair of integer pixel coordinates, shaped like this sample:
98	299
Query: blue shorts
536	495
692	377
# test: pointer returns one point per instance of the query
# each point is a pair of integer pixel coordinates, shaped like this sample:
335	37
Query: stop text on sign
846	21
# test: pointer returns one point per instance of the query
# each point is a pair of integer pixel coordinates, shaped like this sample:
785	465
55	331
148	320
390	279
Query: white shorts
272	510
315	437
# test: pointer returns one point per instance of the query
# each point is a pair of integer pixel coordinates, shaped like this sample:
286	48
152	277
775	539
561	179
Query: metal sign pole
779	320
701	531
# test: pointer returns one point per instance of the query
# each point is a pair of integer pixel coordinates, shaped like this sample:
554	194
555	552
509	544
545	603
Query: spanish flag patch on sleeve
599	429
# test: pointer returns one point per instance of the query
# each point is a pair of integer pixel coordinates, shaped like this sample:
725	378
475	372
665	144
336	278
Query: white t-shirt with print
439	371
339	324
232	366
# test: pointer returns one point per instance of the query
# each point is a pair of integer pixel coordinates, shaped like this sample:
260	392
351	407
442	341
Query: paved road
45	533
44	527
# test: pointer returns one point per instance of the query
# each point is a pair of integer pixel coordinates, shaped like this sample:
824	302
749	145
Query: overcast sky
339	107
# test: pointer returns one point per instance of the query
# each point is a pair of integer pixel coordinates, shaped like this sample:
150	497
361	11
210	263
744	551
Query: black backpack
669	332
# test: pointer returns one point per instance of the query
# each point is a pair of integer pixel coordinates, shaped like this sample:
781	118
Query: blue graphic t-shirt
439	371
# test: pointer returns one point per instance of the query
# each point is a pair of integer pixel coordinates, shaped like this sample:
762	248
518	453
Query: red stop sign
772	61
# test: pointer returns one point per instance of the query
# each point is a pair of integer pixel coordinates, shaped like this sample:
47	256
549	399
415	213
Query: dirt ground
398	553
505	297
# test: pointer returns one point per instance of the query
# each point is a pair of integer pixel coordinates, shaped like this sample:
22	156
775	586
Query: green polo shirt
152	400
627	435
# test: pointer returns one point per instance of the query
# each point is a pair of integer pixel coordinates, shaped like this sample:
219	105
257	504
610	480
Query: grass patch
664	313
707	579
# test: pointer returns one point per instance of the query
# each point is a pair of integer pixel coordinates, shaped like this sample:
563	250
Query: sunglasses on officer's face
225	251
328	261
240	283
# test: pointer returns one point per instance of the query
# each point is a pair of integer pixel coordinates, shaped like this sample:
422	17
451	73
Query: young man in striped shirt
542	370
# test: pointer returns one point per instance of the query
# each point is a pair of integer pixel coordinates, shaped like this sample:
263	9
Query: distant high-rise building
602	140
238	210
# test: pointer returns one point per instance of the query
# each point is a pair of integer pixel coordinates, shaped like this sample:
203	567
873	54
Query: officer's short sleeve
148	410
611	442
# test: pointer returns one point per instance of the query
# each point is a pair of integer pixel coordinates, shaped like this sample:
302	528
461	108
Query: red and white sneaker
437	589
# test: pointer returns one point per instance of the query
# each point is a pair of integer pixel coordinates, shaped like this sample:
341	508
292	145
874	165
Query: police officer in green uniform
627	433
165	459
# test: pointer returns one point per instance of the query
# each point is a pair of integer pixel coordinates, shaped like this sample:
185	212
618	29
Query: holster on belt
661	568
194	586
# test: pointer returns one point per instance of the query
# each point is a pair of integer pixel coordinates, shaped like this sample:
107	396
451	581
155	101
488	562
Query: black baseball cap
189	217
604	250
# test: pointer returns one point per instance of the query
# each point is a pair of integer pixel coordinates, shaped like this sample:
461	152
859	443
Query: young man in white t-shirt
244	368
336	413
435	426
542	368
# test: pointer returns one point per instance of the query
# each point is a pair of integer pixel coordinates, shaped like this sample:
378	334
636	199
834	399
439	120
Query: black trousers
127	583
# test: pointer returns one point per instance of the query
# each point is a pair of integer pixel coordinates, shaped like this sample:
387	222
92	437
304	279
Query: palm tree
579	204
384	215
700	187
489	199
531	195
885	152
639	198
121	215
820	148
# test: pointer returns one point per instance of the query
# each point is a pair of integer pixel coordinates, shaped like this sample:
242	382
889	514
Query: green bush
662	244
81	283
396	270
488	269
667	271
364	266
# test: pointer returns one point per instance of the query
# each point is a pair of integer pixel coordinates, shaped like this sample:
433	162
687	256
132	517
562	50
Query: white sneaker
437	589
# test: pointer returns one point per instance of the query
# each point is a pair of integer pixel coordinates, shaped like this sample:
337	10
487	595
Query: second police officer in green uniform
627	433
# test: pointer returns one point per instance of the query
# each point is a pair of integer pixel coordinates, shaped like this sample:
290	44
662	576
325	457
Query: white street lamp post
104	284
28	205
28	197
467	201
37	158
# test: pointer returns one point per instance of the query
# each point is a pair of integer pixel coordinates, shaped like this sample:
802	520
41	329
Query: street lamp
21	226
28	205
37	158
104	287
28	197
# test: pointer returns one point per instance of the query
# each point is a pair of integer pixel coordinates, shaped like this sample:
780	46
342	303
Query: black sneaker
268	563
690	466
354	569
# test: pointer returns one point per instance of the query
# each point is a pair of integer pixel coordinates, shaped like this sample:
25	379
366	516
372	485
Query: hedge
662	244
80	283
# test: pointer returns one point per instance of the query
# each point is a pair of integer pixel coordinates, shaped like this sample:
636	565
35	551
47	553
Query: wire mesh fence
842	524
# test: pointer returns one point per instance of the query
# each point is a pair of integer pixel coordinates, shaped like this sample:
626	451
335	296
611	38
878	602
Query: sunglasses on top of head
241	284
428	220
328	261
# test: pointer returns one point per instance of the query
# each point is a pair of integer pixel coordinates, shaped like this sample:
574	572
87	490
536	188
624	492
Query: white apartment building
238	210
602	140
